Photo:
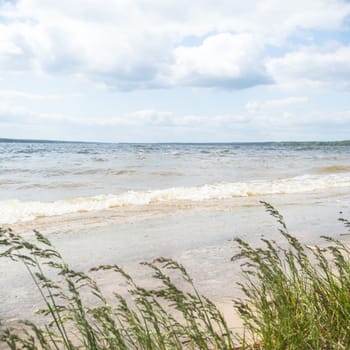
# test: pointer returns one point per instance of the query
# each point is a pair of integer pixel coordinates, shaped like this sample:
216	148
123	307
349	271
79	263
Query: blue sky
175	71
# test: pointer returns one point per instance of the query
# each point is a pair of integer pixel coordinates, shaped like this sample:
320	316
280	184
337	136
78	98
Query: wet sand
199	237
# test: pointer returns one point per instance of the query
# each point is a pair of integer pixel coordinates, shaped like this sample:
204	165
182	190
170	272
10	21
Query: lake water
49	179
124	203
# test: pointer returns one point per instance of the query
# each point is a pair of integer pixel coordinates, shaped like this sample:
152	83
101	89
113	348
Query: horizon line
20	140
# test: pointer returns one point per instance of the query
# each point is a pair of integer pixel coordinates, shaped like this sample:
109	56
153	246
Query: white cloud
163	119
142	118
20	114
313	66
224	59
154	118
137	44
154	125
256	106
16	94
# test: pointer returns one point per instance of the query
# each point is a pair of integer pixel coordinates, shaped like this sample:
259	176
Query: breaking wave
334	169
12	211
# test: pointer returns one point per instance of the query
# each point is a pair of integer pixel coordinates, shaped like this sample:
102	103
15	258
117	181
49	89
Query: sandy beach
200	238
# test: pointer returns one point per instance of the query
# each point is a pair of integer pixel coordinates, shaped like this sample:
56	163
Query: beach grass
294	297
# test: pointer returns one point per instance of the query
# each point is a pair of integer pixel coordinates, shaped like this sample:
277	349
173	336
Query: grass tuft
162	318
294	297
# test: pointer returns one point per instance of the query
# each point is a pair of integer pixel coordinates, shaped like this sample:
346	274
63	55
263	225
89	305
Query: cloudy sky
175	70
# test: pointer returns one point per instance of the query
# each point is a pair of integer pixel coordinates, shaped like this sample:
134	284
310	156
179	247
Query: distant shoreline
282	143
9	140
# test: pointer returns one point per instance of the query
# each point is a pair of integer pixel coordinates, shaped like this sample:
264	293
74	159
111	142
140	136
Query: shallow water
103	204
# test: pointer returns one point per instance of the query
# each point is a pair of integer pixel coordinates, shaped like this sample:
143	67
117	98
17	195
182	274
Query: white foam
12	211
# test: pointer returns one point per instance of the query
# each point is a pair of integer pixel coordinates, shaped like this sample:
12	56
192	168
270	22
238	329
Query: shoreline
84	220
205	253
199	238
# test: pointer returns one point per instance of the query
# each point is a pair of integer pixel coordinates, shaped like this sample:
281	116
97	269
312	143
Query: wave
50	185
334	169
167	173
9	182
13	211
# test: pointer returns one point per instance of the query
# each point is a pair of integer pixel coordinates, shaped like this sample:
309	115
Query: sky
175	70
